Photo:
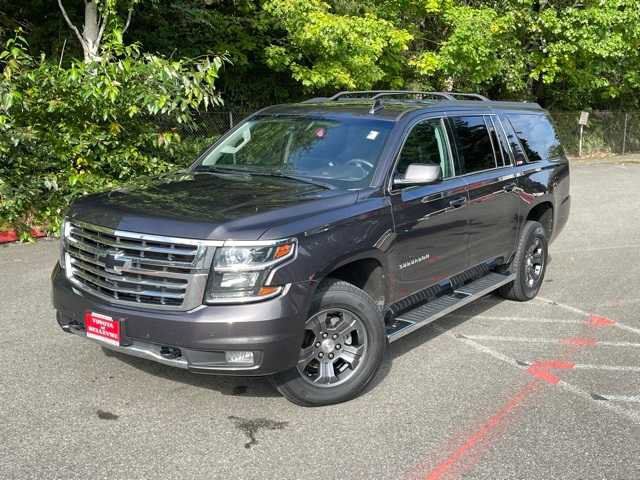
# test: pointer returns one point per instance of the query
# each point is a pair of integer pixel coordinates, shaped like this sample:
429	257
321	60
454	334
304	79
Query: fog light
245	358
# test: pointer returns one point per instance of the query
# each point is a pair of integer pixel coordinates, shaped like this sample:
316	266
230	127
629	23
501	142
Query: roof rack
376	94
475	96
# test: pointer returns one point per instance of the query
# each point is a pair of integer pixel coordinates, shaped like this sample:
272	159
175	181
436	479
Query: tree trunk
91	32
93	29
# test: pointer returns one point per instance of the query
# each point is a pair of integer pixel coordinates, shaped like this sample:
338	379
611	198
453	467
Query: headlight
239	271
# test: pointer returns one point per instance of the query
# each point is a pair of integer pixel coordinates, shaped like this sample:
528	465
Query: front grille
137	269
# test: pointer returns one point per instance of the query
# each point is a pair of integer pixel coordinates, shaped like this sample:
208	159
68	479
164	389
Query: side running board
407	322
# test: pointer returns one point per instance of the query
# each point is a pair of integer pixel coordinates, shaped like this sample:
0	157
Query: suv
312	234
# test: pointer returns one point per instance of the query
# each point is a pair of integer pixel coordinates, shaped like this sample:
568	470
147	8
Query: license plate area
102	327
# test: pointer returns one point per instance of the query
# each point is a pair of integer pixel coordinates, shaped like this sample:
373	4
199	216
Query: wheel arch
366	271
543	213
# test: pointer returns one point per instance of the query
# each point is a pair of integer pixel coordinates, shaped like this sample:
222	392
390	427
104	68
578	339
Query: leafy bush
66	132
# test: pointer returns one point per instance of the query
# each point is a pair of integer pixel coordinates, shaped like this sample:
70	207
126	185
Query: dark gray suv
312	234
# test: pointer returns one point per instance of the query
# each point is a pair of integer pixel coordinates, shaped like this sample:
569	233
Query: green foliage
66	132
565	55
480	51
78	128
323	49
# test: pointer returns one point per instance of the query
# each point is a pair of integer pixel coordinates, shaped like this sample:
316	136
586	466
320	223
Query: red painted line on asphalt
599	321
579	341
483	432
541	369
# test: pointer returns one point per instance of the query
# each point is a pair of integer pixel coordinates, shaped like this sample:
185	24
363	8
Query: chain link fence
607	132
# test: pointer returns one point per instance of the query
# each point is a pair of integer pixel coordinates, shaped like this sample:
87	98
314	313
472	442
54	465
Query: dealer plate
103	328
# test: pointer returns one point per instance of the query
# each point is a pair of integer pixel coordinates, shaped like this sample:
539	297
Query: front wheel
342	348
529	264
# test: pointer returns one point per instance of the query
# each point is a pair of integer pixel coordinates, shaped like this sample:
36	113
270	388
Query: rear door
483	160
429	220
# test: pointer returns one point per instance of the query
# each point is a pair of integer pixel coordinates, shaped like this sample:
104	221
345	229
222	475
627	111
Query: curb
9	236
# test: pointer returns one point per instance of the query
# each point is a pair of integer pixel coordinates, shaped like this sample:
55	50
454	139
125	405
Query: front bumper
272	329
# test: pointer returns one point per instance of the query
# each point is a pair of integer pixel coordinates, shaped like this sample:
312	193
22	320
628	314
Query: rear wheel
342	348
529	264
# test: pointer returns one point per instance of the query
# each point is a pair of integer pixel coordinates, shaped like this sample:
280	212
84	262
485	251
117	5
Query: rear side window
473	144
498	144
516	148
537	136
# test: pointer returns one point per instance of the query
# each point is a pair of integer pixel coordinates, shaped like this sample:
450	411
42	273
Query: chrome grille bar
102	240
137	269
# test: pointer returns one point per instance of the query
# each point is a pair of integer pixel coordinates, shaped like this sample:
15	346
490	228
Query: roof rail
377	105
378	95
375	94
477	96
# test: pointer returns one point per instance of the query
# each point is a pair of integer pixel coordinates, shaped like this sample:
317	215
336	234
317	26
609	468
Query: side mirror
419	174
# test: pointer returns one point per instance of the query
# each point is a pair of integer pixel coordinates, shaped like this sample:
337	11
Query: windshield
341	153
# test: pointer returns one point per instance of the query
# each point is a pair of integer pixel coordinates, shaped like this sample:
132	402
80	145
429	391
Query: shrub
66	132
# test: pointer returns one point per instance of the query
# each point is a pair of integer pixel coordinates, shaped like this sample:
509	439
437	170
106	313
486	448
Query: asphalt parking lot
548	389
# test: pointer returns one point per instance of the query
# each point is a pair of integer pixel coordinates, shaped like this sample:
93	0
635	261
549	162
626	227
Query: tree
69	131
324	50
97	15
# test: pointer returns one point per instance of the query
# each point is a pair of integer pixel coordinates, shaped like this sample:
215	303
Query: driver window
426	144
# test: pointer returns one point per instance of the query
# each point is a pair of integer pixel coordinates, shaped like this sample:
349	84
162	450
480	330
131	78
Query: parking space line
597	249
562	305
579	341
520	319
541	371
470	340
618	398
617	324
612	368
628	328
588	366
592	320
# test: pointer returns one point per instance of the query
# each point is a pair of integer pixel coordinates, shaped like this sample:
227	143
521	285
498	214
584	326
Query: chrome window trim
498	121
484	115
489	125
442	116
515	134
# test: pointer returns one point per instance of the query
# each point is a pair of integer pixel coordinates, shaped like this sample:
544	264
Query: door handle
509	187
458	202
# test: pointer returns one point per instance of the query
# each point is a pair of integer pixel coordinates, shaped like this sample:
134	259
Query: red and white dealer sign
102	327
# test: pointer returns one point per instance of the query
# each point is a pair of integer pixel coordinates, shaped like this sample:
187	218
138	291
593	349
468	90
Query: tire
342	349
529	264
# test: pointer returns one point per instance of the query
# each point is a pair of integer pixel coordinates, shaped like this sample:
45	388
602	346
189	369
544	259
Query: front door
430	221
483	159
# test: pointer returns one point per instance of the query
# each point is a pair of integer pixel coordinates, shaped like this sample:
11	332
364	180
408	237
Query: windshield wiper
264	173
297	178
216	169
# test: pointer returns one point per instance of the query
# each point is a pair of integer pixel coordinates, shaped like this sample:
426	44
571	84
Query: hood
209	206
